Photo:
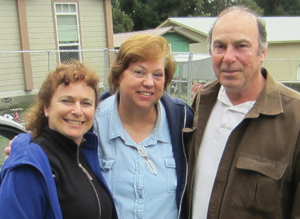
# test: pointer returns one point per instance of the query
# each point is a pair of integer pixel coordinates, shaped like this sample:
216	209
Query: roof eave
180	31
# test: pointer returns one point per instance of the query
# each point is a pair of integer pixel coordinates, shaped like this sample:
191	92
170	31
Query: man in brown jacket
244	148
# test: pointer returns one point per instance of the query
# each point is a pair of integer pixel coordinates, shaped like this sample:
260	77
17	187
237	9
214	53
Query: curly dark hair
64	74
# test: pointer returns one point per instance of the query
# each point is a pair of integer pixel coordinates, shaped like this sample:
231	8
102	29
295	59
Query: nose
230	55
148	81
76	111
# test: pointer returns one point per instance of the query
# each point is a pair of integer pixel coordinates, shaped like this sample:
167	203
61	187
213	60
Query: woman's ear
46	112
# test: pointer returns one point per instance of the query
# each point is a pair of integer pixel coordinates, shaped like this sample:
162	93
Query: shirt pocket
171	173
106	165
258	185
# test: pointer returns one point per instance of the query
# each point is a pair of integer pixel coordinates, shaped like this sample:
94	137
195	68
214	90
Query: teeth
145	93
75	122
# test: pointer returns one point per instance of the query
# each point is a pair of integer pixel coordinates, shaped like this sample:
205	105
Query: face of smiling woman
142	84
71	110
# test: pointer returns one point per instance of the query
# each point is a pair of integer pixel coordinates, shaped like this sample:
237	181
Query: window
67	25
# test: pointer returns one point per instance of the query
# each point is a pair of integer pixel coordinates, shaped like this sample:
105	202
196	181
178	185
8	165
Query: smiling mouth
74	122
230	71
145	93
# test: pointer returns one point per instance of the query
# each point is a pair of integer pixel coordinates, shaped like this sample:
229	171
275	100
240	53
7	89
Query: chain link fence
22	73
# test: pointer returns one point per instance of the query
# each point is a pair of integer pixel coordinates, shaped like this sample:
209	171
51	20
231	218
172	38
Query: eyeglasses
142	150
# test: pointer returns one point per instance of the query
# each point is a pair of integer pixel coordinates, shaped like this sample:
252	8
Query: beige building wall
200	47
92	24
93	35
41	34
40	25
11	63
9	37
30	25
282	61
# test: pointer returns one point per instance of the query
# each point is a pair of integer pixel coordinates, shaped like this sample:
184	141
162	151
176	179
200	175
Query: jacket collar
269	100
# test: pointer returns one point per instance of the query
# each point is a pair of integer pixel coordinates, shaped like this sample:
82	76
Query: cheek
217	58
161	85
216	62
89	114
52	122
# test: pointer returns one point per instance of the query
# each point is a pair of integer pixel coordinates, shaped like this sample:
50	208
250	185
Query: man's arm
296	181
7	149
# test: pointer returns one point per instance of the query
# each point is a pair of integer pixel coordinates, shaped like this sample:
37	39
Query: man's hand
8	148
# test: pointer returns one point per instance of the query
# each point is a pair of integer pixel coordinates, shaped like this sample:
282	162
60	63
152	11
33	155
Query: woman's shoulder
105	105
171	100
23	151
23	142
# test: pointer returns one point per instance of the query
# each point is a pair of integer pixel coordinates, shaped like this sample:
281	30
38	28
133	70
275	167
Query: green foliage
252	5
121	21
145	16
279	7
148	14
214	7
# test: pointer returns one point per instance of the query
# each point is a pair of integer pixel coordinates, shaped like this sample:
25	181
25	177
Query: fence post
189	79
106	67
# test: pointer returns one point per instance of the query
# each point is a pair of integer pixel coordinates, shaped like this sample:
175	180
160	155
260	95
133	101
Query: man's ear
264	53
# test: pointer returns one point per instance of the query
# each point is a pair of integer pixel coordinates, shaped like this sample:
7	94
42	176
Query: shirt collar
241	108
222	97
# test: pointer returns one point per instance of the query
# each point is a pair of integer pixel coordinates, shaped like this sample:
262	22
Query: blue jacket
179	116
30	158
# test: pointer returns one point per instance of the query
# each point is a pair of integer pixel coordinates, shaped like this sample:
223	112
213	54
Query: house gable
178	42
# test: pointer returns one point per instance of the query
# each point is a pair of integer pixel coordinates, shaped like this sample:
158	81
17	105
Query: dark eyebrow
66	96
242	41
141	67
89	99
71	97
218	41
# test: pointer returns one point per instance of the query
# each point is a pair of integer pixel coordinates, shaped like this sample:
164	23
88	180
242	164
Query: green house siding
178	42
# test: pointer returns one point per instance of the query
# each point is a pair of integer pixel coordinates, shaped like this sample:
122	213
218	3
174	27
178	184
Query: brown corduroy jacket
259	172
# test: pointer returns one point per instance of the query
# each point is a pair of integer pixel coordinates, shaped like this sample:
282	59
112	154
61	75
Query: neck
140	117
250	93
139	124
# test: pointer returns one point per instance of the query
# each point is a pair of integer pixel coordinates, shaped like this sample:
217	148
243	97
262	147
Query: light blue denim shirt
137	191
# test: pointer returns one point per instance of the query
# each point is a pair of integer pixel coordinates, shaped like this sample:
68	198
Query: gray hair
262	32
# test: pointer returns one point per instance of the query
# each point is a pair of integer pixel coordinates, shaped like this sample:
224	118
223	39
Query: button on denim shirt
137	191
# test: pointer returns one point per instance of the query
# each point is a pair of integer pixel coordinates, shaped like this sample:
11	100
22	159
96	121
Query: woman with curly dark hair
54	172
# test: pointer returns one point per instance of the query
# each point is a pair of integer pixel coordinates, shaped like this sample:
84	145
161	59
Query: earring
46	114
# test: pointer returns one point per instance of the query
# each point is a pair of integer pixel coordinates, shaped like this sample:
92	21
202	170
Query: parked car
8	130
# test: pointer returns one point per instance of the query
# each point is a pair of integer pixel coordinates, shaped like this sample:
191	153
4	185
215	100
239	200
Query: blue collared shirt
137	191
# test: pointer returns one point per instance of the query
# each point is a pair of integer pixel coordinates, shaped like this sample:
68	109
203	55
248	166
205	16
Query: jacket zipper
90	180
186	166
